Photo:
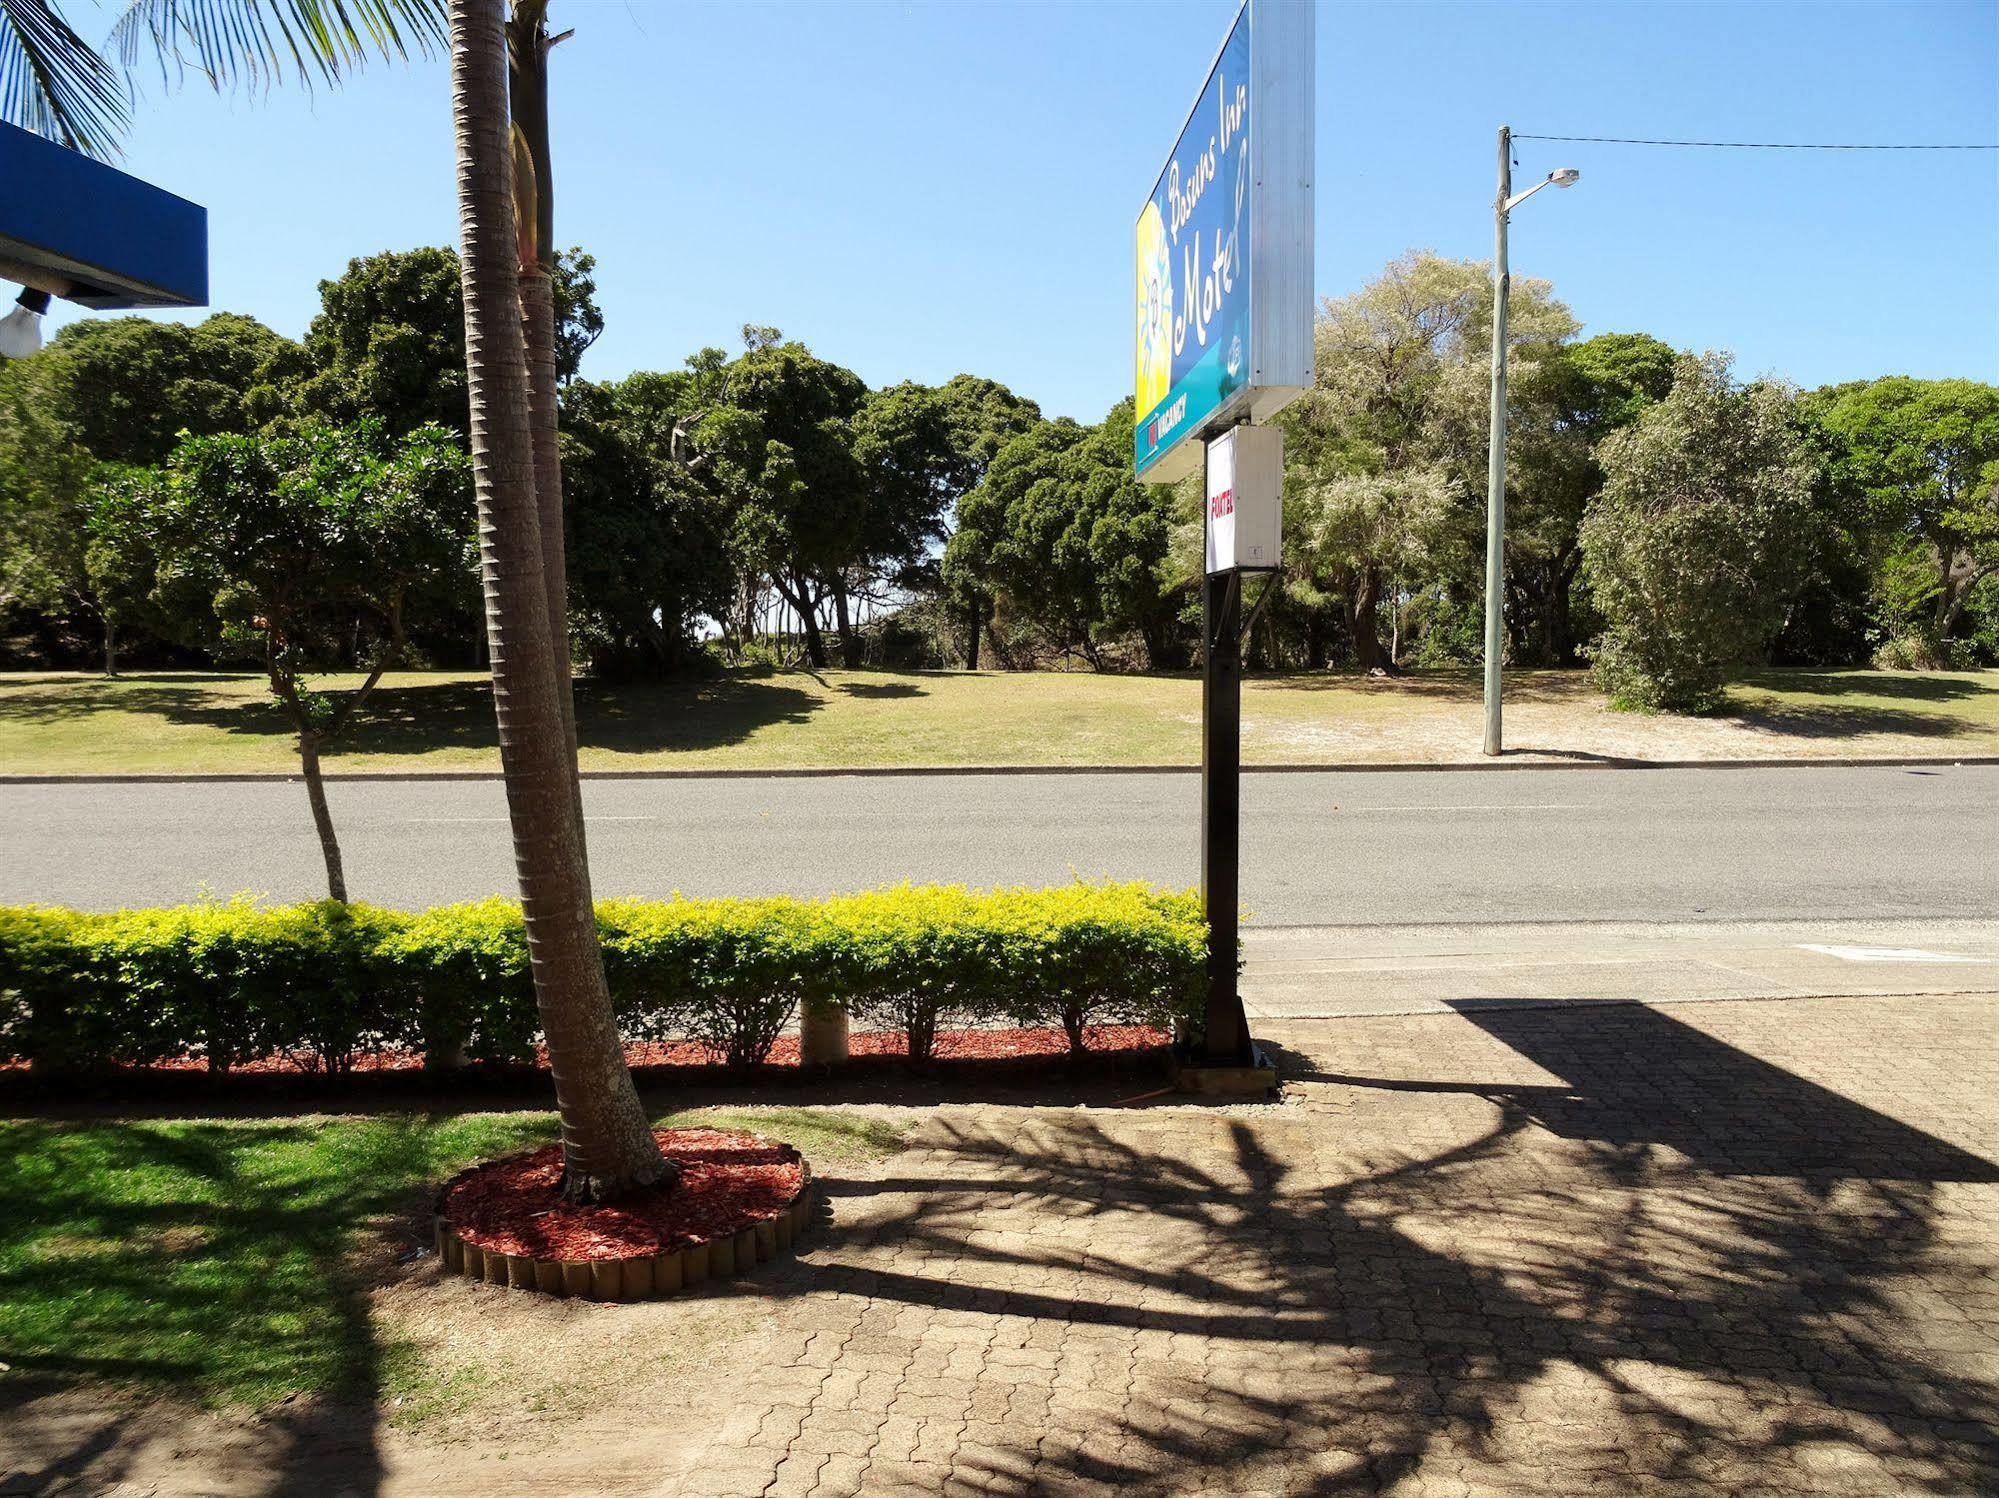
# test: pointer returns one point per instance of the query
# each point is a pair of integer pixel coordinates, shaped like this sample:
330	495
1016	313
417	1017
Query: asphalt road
1457	847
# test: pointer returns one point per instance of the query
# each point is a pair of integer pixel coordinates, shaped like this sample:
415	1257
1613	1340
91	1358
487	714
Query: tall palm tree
608	1148
54	82
528	46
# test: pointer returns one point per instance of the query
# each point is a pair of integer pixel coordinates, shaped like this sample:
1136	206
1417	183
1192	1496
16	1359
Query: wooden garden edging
640	1277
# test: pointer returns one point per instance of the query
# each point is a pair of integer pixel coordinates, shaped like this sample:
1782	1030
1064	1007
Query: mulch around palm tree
729	1180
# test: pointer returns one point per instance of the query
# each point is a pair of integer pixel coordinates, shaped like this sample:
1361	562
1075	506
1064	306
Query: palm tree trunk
534	223
528	45
608	1148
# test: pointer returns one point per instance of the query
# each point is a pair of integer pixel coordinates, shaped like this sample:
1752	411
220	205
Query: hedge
324	984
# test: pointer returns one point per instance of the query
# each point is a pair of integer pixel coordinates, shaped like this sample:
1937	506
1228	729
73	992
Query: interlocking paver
1714	1249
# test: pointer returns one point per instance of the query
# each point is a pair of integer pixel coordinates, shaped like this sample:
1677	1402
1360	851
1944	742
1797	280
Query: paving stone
1701	1250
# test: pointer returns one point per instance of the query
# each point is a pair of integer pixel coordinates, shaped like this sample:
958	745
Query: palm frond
255	42
56	84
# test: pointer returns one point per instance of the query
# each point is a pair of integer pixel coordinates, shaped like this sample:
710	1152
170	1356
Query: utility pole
1495	462
1503	205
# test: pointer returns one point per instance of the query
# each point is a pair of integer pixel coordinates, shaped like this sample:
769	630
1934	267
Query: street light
1495	473
21	329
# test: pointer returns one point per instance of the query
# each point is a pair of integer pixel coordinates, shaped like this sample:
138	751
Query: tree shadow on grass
1678	1267
882	691
418	718
38	701
1834	719
227	1261
1905	686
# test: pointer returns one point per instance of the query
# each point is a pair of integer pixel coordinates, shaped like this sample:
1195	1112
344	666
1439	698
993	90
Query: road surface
1331	848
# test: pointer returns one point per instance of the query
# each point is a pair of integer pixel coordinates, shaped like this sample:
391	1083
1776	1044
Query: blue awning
92	234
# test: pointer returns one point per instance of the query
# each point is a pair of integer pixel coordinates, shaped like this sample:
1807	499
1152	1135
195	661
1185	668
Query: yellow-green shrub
324	982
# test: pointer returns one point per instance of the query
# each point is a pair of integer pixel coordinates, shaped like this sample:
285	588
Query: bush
1701	536
325	983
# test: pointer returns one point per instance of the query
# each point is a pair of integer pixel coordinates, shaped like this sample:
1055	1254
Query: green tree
46	489
920	448
1061	531
1565	400
1925	456
1400	397
55	83
1702	534
647	544
780	440
124	389
301	553
982	416
389	339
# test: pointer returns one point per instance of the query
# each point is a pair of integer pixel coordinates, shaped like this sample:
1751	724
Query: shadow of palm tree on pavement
1639	1260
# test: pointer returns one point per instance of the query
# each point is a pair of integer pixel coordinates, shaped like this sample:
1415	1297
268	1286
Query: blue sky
919	189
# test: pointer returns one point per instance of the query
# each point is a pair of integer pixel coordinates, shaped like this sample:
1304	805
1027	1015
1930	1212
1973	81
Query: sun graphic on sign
1155	310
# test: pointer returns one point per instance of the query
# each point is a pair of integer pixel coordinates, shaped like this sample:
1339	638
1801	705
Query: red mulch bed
677	1055
729	1180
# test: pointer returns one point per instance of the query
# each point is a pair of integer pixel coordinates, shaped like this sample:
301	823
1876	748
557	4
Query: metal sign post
1243	516
1225	1034
1223	261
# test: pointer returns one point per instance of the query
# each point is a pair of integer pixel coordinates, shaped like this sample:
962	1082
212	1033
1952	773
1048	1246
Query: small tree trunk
974	617
1072	1026
1957	588
1315	639
110	646
608	1147
850	644
1366	634
807	608
322	819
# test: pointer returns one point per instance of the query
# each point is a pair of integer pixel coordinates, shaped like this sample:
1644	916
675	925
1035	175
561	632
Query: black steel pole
1227	1031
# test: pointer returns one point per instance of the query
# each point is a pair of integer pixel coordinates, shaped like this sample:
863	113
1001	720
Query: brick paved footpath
1726	1248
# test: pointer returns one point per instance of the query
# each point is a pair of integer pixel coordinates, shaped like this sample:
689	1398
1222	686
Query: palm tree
608	1148
54	82
528	46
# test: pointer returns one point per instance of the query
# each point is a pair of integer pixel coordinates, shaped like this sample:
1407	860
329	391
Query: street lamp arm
1564	177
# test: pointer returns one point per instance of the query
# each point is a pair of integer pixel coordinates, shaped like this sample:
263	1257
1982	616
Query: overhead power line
1753	145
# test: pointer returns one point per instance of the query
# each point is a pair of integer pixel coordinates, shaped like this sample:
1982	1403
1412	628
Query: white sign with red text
1245	509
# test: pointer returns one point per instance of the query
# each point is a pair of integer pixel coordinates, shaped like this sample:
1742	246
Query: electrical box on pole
1245	500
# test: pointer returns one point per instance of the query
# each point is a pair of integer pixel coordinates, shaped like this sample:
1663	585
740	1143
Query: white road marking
1390	811
587	818
1887	954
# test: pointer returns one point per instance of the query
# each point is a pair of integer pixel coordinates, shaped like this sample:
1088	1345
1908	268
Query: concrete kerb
1389	767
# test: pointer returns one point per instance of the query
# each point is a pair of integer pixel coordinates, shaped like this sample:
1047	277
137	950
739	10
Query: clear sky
918	189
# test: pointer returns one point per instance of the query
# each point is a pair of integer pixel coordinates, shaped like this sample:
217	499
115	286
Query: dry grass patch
217	723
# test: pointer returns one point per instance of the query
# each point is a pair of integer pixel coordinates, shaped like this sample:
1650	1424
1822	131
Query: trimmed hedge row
325	983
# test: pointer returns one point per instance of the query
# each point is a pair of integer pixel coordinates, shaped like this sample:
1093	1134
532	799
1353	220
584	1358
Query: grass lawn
228	1259
215	723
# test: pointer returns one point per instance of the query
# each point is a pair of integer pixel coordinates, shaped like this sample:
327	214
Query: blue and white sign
1224	247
